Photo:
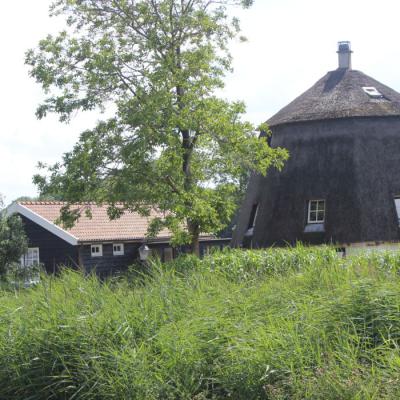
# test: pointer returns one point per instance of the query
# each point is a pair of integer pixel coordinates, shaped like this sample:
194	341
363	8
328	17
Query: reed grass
274	324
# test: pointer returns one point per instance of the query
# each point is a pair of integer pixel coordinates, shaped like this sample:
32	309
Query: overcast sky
291	45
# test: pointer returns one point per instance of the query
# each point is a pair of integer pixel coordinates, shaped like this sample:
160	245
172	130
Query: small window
31	257
397	204
341	251
209	249
253	216
97	250
118	249
316	211
372	92
168	254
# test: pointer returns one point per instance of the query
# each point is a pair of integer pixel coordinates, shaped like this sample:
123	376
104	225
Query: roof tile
130	226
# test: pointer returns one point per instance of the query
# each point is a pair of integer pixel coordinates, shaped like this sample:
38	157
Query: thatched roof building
341	184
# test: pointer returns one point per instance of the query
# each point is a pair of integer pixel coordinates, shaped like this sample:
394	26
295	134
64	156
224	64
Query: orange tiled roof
99	227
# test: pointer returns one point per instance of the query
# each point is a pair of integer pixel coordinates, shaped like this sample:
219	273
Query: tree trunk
195	234
187	146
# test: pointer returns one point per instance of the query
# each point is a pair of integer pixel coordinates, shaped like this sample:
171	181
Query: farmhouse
94	243
341	184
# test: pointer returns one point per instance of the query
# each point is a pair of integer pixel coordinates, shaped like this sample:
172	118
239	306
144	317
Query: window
253	216
118	249
168	254
341	251
209	249
97	250
31	257
316	211
397	204
372	92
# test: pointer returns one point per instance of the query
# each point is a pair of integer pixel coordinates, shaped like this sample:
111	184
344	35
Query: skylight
372	92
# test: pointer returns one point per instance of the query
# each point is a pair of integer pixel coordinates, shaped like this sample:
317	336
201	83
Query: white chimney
344	52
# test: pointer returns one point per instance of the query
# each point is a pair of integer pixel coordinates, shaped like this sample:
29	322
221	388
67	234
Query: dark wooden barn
94	243
341	184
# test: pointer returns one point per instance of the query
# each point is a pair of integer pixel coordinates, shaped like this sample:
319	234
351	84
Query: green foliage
172	143
276	324
38	198
13	242
22	275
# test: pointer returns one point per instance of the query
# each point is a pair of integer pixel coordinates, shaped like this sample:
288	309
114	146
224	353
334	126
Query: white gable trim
16	208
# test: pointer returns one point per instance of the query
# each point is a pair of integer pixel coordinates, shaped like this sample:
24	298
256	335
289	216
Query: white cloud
291	45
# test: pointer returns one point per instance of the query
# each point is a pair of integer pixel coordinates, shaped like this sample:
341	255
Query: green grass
277	324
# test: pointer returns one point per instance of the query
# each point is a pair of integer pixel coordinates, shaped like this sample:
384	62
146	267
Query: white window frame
317	210
97	254
397	206
252	223
27	261
119	252
372	92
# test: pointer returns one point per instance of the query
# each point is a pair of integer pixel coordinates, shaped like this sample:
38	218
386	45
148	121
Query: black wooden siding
108	264
53	251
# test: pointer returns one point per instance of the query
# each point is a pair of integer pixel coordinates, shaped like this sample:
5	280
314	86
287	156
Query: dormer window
372	92
316	211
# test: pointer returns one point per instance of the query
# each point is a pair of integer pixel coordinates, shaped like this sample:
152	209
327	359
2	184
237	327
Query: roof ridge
60	203
41	202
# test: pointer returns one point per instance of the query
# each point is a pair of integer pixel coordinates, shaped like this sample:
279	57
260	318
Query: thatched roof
340	94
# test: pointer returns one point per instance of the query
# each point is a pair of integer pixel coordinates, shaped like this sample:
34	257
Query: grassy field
277	324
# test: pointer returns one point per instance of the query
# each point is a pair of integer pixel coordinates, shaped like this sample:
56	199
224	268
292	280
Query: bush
276	324
13	242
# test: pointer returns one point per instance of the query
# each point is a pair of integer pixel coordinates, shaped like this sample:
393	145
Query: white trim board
16	208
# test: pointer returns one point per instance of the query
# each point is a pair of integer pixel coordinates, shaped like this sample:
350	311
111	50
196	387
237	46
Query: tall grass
276	324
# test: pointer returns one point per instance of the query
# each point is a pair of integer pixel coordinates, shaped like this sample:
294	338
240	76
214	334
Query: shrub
13	242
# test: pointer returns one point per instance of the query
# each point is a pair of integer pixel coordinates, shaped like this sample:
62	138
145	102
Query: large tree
171	142
13	242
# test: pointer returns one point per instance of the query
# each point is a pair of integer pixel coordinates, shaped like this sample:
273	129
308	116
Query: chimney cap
344	47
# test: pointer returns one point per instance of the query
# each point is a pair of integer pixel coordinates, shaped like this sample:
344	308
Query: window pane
253	216
313	205
96	250
31	257
118	249
313	216
321	206
397	204
168	254
321	216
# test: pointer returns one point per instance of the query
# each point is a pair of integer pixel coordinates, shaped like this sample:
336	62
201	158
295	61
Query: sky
291	44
